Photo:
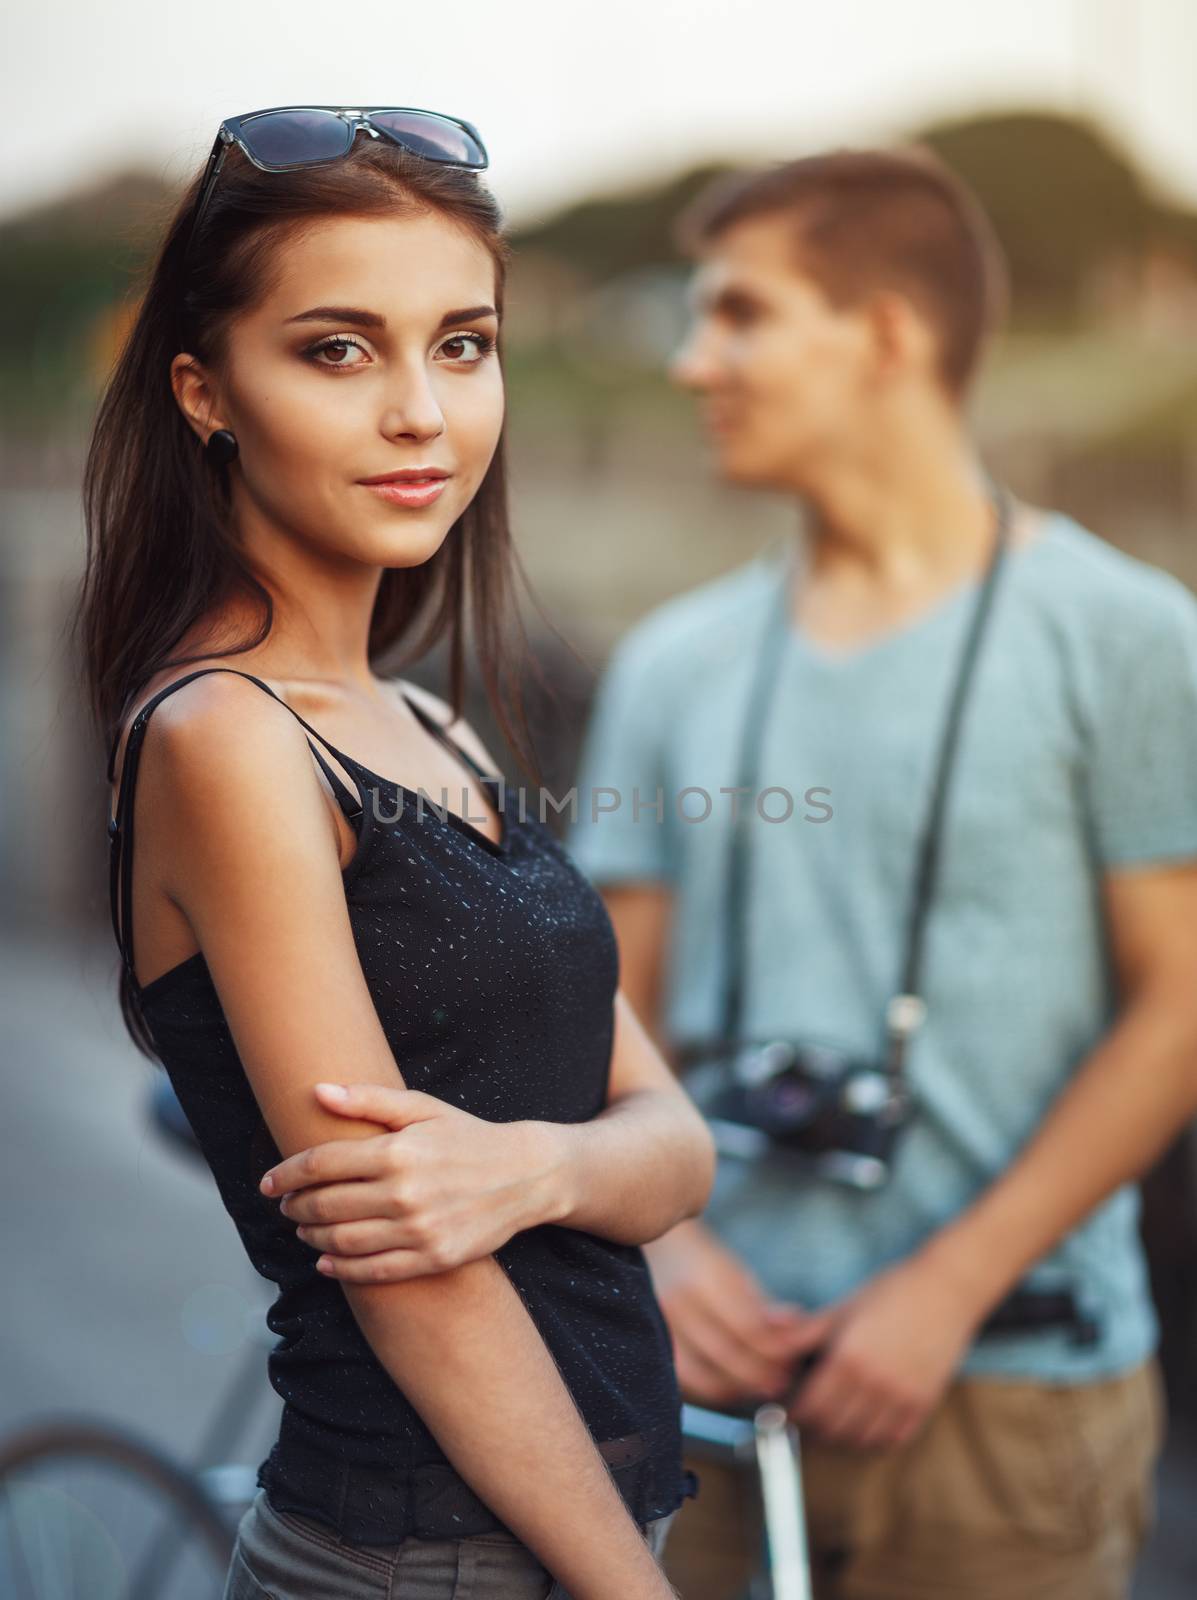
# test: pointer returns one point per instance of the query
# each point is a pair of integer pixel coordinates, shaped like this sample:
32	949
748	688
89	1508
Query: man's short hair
866	220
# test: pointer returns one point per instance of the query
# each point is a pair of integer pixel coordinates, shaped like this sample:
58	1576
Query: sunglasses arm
216	157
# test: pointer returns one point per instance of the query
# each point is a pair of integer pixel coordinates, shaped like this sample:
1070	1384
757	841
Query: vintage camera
841	1115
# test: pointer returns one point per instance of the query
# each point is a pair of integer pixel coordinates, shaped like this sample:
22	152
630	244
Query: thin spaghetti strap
120	827
349	802
437	728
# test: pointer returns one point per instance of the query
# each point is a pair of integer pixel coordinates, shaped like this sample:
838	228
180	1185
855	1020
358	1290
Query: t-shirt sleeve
621	831
1143	770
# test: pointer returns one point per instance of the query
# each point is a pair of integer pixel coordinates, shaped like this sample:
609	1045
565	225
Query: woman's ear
194	395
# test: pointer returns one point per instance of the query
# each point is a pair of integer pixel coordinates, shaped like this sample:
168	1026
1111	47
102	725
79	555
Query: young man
841	306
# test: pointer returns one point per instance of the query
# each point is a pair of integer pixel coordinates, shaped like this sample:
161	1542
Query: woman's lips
411	492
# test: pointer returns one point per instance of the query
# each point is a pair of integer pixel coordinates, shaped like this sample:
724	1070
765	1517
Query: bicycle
90	1509
770	1442
150	1527
763	1438
56	1545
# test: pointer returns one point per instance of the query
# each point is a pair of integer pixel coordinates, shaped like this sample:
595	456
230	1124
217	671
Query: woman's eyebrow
371	319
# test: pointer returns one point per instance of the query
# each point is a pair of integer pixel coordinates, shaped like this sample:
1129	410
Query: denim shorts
280	1555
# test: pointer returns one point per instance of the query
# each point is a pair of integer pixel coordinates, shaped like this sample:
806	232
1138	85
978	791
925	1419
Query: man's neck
883	547
902	528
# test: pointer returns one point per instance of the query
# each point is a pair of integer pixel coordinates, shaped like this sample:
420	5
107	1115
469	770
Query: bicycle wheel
87	1510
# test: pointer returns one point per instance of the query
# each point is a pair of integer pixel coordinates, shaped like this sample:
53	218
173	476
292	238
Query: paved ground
109	1315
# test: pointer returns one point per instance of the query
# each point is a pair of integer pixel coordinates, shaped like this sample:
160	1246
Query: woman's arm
243	840
648	1162
439	1187
643	1164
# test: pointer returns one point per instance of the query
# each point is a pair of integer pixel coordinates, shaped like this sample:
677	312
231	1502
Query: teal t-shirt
1078	753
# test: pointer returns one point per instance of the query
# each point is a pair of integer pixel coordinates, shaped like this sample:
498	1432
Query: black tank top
493	968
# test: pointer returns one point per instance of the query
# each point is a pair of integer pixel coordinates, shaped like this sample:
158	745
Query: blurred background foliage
1088	402
1089	242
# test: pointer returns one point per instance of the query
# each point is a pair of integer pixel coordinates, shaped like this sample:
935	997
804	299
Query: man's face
785	378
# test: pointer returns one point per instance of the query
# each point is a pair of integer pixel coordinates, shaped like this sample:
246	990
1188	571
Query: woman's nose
414	411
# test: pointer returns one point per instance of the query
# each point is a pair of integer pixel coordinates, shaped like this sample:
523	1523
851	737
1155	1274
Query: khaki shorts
1013	1490
280	1555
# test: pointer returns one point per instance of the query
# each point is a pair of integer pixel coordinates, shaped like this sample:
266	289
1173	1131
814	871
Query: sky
575	99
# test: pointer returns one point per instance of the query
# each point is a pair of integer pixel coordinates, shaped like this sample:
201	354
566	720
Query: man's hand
439	1187
731	1342
888	1352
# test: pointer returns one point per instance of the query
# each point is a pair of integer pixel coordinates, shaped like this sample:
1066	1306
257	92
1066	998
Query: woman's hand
438	1188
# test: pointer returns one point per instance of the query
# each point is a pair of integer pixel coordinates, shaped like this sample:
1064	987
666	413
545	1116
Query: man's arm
892	1347
1127	1101
641	913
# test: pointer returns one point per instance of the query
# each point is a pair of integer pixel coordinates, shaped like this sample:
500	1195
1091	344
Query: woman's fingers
342	1202
381	1102
384	1266
362	1238
393	1108
328	1163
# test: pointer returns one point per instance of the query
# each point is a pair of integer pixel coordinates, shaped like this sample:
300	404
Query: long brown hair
161	546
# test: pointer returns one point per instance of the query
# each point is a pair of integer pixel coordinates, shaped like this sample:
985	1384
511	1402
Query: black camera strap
905	1011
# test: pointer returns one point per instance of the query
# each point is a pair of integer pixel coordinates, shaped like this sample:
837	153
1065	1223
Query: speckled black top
493	968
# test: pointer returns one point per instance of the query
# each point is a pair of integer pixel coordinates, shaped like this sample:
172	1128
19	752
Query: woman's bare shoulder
209	696
221	738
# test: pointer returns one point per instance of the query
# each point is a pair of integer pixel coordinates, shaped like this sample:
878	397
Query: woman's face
371	353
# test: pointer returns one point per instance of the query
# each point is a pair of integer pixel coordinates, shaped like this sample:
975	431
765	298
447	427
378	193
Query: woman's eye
336	346
465	349
458	347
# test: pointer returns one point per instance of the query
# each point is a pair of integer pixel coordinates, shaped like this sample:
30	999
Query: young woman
299	459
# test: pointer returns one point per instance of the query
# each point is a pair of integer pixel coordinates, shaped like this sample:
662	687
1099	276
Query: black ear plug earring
221	447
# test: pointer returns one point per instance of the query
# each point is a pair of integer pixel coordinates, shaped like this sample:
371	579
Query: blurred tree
65	271
1063	199
1066	202
609	235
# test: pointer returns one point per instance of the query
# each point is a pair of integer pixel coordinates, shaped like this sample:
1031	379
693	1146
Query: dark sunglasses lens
435	138
282	137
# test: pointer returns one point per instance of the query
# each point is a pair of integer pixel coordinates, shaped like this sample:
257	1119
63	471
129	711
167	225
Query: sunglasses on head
284	138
